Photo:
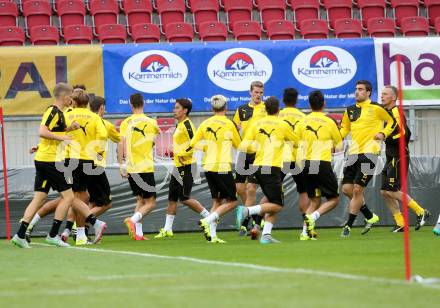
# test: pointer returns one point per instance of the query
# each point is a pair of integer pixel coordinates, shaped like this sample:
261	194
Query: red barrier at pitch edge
5	176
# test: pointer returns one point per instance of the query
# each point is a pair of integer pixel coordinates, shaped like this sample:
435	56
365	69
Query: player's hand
123	172
99	157
379	136
33	150
182	159
66	139
74	125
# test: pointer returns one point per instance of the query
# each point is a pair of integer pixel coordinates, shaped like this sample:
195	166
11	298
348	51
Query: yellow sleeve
336	136
156	127
112	133
289	134
101	131
396	116
248	139
236	139
236	118
345	125
123	128
195	141
50	118
385	116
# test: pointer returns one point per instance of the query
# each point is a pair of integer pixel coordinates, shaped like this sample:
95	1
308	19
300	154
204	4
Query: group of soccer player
270	143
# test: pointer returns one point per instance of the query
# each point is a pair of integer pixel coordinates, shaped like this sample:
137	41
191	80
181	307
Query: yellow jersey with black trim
67	148
248	113
89	140
318	135
364	120
139	133
113	135
216	137
266	138
392	141
181	139
291	116
51	150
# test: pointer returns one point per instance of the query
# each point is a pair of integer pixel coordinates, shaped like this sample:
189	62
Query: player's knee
347	190
358	190
385	194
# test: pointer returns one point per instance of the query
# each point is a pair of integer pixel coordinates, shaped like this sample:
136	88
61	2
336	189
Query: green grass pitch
361	271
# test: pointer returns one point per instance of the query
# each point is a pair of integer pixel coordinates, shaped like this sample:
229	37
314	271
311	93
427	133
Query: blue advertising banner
165	72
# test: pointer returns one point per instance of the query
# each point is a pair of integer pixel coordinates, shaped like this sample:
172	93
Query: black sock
91	219
351	219
86	230
55	228
22	230
366	211
257	219
69	225
245	222
304	216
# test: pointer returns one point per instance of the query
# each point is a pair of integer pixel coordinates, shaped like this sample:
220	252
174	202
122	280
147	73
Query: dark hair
80	97
290	97
137	100
79	86
272	105
185	103
316	100
96	103
367	85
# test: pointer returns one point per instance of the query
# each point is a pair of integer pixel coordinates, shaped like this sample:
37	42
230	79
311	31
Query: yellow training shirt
364	120
266	137
318	135
54	120
248	113
216	137
181	139
291	116
113	135
139	132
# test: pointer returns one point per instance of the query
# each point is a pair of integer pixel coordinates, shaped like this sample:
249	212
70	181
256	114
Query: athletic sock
304	231
257	219
351	219
22	230
413	205
35	220
69	225
366	211
139	231
169	219
267	229
398	218
136	217
438	221
254	210
86	230
204	213
213	229
212	217
303	215
80	233
315	215
55	228
91	219
245	222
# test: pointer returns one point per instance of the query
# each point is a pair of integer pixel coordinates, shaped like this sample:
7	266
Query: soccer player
52	134
266	137
365	120
318	135
138	134
292	116
216	137
390	189
246	184
182	179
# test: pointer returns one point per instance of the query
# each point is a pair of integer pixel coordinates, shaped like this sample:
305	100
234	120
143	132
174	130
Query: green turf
49	277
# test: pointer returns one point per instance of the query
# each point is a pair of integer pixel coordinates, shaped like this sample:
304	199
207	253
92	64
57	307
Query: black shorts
299	177
181	191
248	160
391	174
270	182
142	184
321	180
47	176
99	190
83	170
361	171
221	185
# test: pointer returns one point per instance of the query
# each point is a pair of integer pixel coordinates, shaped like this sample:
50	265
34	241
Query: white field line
265	268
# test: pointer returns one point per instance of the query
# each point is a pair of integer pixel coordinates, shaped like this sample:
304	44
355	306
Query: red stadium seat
8	14
78	34
213	31
404	8
314	29
37	13
271	10
112	34
348	28
179	32
371	8
138	12
280	30
237	10
433	8
414	26
338	9
247	31
71	12
204	10
381	27
11	36
145	33
304	9
44	35
437	25
104	12
170	11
